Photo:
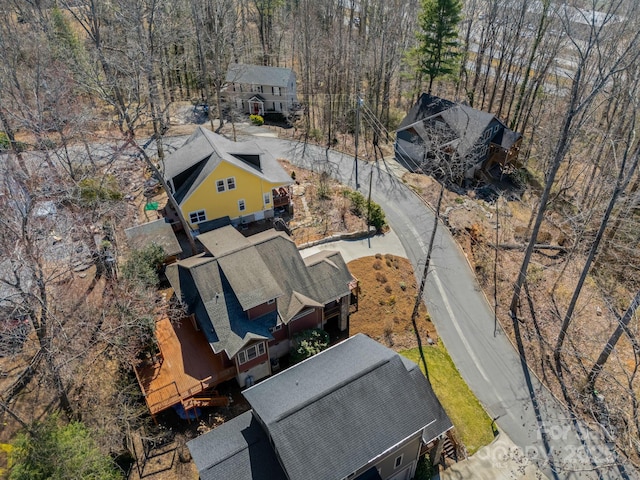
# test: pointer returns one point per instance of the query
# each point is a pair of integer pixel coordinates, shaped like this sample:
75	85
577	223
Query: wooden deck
186	367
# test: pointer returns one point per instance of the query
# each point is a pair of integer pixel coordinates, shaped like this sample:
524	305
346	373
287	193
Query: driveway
537	424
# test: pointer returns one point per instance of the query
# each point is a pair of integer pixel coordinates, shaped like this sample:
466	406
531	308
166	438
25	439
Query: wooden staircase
207	399
449	449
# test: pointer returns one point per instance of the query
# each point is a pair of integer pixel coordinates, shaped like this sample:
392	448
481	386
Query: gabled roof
258	75
322	277
204	150
248	275
337	411
204	288
236	449
240	273
158	232
465	122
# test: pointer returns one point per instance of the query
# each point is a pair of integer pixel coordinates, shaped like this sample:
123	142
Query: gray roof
204	150
258	75
320	278
465	123
202	285
333	413
236	449
240	273
157	232
247	273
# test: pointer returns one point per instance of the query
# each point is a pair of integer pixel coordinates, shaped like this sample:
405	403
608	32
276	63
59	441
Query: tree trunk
621	185
623	324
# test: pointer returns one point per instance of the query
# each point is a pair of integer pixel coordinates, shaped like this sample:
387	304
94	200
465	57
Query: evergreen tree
54	450
437	48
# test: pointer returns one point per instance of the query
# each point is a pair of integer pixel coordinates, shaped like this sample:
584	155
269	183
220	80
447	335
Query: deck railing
172	398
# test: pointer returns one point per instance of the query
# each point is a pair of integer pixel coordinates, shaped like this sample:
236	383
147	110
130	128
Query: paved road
522	407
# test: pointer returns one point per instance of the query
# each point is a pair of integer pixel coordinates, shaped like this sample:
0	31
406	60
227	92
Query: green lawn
471	421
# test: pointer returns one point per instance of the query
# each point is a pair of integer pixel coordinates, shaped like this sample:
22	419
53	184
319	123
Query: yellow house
212	177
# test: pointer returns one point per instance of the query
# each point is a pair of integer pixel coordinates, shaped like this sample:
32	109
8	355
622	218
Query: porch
185	371
281	197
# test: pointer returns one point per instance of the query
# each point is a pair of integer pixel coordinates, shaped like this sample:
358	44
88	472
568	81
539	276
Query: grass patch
471	421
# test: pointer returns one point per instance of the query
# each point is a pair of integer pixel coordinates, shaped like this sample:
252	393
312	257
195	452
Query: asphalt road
525	410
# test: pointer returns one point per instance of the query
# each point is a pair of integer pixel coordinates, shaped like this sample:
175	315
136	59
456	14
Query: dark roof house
356	410
438	135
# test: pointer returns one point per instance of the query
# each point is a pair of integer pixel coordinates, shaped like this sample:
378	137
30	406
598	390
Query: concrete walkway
500	460
364	247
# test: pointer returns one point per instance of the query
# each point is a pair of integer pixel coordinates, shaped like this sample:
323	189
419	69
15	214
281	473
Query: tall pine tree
437	49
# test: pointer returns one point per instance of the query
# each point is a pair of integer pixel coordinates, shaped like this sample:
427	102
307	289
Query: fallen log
523	246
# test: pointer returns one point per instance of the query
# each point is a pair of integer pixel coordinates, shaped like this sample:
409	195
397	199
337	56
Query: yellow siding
249	187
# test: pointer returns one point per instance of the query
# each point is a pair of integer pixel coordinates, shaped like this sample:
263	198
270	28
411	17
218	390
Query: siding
249	188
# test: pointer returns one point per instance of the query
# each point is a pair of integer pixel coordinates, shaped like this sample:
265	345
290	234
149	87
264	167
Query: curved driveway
522	407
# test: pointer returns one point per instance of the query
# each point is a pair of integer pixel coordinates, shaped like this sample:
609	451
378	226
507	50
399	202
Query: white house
259	90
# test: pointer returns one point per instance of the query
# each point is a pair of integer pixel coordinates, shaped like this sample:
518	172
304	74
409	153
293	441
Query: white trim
397	464
194	217
243	355
231	183
220	186
303	313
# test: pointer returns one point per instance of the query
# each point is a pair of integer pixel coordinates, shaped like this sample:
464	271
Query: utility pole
358	104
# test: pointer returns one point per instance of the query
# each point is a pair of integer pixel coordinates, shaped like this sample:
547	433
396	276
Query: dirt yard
387	298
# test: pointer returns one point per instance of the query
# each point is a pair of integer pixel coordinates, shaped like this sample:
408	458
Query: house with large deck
245	298
357	410
212	177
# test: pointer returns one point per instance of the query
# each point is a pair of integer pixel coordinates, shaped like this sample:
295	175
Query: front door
255	107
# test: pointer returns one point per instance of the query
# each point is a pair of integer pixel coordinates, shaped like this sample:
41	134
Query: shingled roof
236	449
204	150
258	75
466	123
157	232
239	273
330	415
205	290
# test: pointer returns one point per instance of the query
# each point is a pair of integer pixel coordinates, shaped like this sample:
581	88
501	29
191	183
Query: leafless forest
85	83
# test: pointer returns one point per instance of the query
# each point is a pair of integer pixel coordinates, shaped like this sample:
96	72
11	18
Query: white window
276	328
267	199
250	353
220	185
276	91
398	461
239	103
256	88
241	205
231	183
197	217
